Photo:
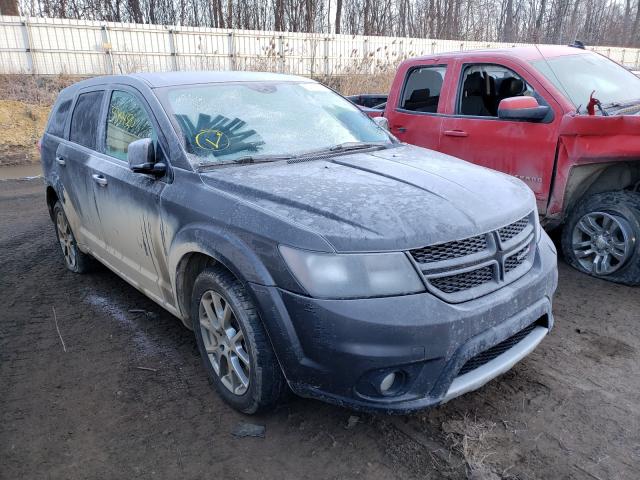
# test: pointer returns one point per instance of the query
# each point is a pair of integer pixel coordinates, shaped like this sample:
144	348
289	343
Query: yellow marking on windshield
212	140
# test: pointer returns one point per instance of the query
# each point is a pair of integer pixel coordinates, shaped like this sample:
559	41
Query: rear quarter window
85	118
59	118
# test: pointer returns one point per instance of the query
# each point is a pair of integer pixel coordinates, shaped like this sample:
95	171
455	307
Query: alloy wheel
224	342
67	242
602	242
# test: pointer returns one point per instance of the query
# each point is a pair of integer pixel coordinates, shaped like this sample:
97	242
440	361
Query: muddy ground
129	397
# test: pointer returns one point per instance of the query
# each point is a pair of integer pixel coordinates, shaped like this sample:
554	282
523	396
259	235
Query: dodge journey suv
304	245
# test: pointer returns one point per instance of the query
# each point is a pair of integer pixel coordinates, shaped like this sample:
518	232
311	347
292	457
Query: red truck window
422	89
484	86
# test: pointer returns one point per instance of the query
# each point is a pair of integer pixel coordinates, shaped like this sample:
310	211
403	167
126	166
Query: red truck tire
602	236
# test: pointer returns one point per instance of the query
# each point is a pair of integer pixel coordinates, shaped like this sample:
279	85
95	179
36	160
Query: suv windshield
579	75
231	122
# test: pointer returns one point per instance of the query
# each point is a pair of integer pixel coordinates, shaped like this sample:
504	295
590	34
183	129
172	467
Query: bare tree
609	22
9	7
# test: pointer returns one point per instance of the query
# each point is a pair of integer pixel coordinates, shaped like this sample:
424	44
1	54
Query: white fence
53	46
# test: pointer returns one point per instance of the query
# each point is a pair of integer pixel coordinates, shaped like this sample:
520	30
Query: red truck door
472	130
414	104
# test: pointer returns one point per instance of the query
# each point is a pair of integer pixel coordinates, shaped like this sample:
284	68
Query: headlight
352	275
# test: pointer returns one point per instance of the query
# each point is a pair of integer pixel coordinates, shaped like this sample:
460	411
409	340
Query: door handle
456	133
99	179
61	161
400	129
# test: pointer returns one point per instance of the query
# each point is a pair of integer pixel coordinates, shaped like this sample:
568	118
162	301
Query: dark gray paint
388	200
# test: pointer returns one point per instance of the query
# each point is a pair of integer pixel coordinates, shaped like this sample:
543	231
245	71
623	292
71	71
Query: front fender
223	246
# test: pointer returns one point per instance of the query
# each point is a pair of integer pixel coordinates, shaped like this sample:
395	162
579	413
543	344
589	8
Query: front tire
74	259
602	237
233	344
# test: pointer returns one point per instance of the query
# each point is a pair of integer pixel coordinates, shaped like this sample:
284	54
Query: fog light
387	382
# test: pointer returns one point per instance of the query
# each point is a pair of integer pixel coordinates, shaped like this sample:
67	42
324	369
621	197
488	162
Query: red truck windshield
578	75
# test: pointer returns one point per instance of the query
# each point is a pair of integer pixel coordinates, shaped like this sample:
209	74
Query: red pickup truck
564	120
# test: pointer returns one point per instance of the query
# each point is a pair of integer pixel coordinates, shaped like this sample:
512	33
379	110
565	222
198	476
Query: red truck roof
521	53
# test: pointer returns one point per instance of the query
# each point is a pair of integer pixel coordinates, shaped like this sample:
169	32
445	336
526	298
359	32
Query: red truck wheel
602	237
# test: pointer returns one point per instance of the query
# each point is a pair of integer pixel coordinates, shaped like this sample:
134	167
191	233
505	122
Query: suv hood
394	199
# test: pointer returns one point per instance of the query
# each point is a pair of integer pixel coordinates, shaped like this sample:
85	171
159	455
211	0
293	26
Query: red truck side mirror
526	109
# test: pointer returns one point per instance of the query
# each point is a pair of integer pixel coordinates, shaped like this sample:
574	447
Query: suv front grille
450	250
463	281
493	352
510	231
448	267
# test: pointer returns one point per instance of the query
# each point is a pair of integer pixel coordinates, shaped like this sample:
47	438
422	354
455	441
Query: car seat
473	96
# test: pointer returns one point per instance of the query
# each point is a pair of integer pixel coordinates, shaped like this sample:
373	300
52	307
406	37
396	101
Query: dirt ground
21	125
129	398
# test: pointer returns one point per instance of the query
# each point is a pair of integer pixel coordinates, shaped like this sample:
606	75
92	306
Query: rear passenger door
128	202
414	108
76	160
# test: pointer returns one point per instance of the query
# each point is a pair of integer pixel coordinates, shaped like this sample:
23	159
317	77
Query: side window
127	122
84	121
484	86
422	89
59	119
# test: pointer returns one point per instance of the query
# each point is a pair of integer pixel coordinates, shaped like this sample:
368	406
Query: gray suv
304	245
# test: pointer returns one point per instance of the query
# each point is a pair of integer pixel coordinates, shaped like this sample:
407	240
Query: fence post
326	55
281	53
106	46
26	38
172	50
232	50
638	58
433	47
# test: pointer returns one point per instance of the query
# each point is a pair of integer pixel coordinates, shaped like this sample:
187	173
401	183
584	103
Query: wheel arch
199	246
590	179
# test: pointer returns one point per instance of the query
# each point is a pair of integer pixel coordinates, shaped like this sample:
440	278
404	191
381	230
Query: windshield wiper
244	160
619	105
343	147
349	146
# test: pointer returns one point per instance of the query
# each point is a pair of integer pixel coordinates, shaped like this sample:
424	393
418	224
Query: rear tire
602	237
74	259
233	344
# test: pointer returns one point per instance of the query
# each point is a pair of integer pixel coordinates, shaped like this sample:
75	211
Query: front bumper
338	350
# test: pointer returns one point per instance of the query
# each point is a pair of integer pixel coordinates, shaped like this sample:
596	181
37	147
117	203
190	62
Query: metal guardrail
52	46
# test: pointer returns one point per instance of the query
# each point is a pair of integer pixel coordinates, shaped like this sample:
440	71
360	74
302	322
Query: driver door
129	203
474	132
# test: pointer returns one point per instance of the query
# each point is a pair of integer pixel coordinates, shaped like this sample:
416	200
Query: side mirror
382	122
141	155
526	109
